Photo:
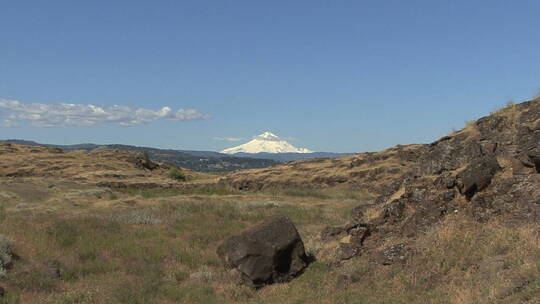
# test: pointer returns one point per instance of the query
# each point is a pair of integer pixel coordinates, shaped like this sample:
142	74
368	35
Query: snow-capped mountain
267	142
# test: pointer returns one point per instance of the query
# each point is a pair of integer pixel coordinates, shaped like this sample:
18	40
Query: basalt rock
535	160
271	252
141	161
348	240
478	174
448	153
517	198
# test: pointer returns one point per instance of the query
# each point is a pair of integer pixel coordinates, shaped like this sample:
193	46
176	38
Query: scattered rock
142	161
54	150
346	251
330	233
345	241
392	255
357	230
481	209
271	252
394	211
357	213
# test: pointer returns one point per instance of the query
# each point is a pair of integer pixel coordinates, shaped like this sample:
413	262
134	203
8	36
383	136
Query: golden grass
162	250
90	168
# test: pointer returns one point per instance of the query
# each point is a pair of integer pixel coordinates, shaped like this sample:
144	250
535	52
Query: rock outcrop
344	242
271	252
489	169
478	174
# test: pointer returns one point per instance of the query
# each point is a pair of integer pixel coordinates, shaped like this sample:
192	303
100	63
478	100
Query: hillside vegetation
455	221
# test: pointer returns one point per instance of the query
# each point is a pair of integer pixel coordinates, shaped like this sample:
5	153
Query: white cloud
7	123
229	138
81	115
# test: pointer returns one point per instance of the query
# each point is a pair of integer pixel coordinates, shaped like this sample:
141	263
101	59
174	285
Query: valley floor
86	244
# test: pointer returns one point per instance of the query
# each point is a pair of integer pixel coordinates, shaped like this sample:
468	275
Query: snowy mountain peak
268	135
267	142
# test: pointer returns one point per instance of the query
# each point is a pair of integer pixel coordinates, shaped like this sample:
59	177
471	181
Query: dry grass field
96	245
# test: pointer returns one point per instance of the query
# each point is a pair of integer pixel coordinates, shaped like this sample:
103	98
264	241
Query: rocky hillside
107	168
489	170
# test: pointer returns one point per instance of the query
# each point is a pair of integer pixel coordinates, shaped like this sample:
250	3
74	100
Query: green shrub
176	173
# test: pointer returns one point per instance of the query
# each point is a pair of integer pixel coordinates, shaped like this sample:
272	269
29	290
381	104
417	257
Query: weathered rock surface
478	174
271	252
343	242
489	169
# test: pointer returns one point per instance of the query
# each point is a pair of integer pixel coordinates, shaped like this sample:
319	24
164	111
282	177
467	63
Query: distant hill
203	161
286	157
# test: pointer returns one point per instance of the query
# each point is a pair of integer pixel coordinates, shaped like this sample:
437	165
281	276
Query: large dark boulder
271	252
477	175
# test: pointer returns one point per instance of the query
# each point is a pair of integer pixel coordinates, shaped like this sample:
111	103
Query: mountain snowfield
267	142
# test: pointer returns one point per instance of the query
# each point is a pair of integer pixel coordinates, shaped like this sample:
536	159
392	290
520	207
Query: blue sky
338	76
